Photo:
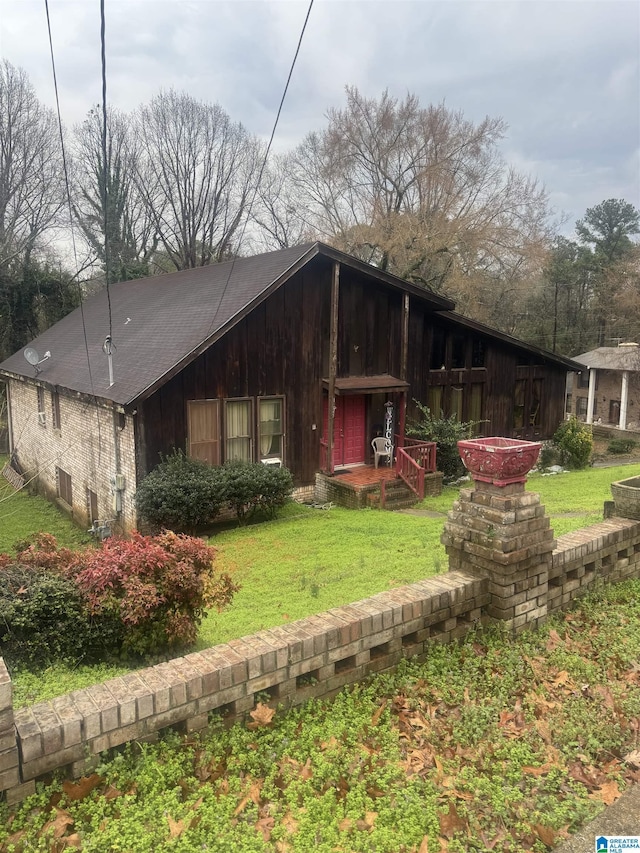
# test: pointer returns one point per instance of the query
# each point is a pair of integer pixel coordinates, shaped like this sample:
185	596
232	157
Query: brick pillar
9	761
502	532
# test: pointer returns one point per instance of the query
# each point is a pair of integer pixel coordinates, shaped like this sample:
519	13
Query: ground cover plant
436	756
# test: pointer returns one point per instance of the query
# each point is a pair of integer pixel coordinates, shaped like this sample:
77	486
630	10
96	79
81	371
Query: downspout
333	362
624	400
592	394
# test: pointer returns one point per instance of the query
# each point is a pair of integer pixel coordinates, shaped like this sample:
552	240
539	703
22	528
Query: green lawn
22	514
309	560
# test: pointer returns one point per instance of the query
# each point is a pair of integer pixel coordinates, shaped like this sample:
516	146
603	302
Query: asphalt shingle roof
157	323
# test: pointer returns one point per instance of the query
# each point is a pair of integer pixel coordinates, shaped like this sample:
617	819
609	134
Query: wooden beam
333	360
404	338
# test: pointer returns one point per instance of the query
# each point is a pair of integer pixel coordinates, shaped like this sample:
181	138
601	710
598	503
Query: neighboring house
287	358
608	389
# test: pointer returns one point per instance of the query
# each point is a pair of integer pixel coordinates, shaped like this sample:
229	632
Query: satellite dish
32	356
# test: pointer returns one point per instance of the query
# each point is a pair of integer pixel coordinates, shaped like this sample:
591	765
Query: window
614	412
63	481
42	415
568	404
55	410
477	352
536	403
434	401
438	350
581	407
475	406
238	430
271	426
583	379
458	352
203	430
92	506
518	403
455	407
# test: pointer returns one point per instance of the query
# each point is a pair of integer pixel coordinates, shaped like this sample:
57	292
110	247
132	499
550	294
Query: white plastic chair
382	447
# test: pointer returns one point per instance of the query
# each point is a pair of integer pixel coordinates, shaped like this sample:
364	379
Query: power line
264	163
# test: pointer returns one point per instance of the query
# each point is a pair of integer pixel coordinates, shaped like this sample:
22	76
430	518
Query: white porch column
624	400
592	394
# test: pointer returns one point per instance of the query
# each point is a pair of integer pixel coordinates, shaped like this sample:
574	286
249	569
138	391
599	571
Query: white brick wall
84	447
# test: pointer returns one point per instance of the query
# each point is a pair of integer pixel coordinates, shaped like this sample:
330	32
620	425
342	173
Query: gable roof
622	357
161	323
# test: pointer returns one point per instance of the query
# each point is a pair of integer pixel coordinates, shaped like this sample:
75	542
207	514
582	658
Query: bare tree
278	208
109	192
200	173
422	192
31	173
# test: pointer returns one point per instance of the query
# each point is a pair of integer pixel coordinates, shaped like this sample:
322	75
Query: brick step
399	495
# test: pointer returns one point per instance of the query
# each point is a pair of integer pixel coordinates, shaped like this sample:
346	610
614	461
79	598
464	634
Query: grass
22	514
308	560
436	756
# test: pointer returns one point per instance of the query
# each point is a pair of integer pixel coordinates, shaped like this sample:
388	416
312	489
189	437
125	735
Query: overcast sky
563	74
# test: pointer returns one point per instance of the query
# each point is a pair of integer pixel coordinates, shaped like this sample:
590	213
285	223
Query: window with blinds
203	424
238	431
271	427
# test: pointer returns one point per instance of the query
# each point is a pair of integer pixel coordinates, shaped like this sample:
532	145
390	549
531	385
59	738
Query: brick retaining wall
313	657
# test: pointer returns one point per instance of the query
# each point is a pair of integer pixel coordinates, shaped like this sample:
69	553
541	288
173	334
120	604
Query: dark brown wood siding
276	350
281	348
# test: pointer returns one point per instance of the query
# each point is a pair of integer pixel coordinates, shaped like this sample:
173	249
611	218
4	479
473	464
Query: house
607	390
297	357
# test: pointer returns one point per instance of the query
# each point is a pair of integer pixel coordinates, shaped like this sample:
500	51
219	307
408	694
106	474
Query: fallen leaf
60	823
633	759
545	834
424	845
451	823
261	715
80	790
345	824
376	717
176	827
554	640
537	771
306	772
265	826
607	793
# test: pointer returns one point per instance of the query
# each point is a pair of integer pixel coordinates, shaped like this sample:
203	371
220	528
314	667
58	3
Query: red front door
349	423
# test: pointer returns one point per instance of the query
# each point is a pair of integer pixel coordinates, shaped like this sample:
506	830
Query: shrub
143	595
550	455
446	432
251	485
156	588
42	616
621	445
181	494
575	442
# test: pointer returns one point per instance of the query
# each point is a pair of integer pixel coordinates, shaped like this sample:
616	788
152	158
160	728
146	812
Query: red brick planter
499	461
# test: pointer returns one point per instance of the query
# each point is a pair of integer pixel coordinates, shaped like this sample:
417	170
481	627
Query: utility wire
105	193
68	193
264	164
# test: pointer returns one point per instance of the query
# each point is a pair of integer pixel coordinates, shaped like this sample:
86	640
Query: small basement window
63	481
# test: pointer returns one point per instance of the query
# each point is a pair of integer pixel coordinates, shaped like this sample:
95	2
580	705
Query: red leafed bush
157	587
41	551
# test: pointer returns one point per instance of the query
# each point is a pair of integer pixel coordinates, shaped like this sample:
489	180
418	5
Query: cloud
562	73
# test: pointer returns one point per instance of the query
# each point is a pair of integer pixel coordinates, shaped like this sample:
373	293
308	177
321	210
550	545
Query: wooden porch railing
413	461
324	455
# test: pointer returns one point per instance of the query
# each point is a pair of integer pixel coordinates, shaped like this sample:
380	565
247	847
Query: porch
410	478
